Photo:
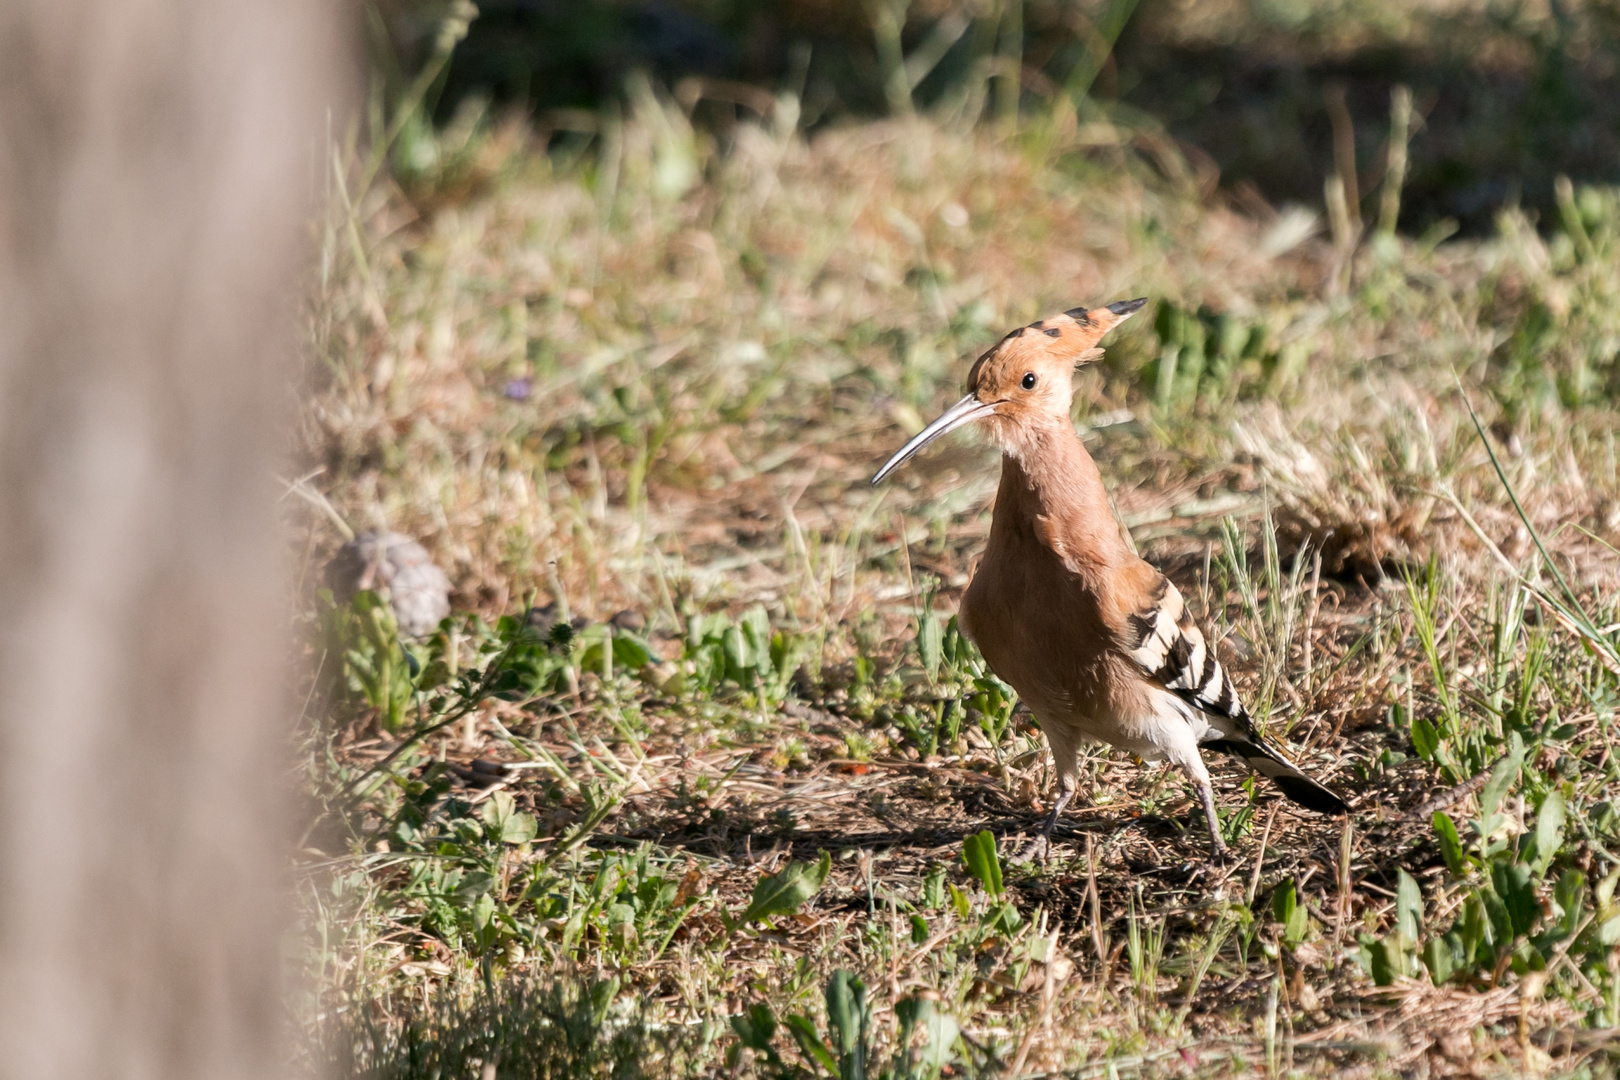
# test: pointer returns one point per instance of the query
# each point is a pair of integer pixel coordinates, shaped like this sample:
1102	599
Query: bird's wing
1168	647
1165	642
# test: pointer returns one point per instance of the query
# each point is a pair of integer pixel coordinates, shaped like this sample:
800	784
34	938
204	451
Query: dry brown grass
716	350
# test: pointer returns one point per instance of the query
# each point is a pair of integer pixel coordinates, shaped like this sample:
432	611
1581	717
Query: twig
1346	847
1259	860
1310	622
1344	154
301	488
1447	798
1400	126
1093	899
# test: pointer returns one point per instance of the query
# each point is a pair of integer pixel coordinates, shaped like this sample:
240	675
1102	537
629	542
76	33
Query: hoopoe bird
1098	643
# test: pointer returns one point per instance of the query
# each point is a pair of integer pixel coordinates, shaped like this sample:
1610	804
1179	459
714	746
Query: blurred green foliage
1509	95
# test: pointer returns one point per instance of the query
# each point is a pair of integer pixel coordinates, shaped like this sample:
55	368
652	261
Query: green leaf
1604	893
756	631
504	823
1440	958
376	665
1502	777
1498	922
474	884
739	660
909	1011
602	995
755	1027
1451	848
937	1025
529	667
630	652
933	887
1408	906
595	657
1568	894
1425	740
959	900
1297	926
1004	919
1604	819
520	828
847	1018
929	642
1474	927
1517	892
435	675
956	647
483	914
919	929
942	1031
1367	956
783	893
805	1034
979	852
1283	901
1293	915
1388	958
1549	831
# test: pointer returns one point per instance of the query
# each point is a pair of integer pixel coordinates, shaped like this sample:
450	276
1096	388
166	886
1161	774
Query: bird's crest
1070	337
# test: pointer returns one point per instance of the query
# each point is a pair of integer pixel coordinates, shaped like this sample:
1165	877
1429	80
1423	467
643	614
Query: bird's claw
1212	870
1037	850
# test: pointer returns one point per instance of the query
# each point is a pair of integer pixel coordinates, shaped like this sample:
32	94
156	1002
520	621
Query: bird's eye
1029	380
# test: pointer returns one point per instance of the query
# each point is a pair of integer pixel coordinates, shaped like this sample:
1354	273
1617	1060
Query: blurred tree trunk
157	164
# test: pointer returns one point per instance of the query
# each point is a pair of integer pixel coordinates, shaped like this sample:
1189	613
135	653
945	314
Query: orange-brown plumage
1095	640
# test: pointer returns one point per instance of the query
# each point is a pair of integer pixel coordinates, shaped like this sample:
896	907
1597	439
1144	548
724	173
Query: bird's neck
1052	494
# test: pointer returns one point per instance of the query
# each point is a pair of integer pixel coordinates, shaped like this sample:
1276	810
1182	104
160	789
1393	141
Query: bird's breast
1038	628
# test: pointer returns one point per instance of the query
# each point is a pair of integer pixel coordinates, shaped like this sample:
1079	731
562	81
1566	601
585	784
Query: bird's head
1025	378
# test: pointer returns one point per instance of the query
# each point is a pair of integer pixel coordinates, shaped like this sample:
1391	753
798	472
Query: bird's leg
1206	795
1042	843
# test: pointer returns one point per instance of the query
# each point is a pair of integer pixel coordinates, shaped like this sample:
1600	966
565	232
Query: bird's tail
1266	761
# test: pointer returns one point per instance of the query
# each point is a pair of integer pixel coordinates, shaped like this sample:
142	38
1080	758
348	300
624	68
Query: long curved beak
965	411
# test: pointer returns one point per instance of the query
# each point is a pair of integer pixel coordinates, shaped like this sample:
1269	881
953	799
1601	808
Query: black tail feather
1311	795
1289	780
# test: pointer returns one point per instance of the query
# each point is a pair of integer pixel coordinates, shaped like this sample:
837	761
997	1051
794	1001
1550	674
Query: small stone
629	620
398	569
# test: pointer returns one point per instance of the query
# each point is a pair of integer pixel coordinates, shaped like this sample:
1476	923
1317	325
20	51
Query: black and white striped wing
1171	650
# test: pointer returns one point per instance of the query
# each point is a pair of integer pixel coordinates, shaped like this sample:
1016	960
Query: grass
647	373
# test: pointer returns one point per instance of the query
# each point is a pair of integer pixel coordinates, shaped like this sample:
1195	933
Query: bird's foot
1041	847
1037	850
1213	871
